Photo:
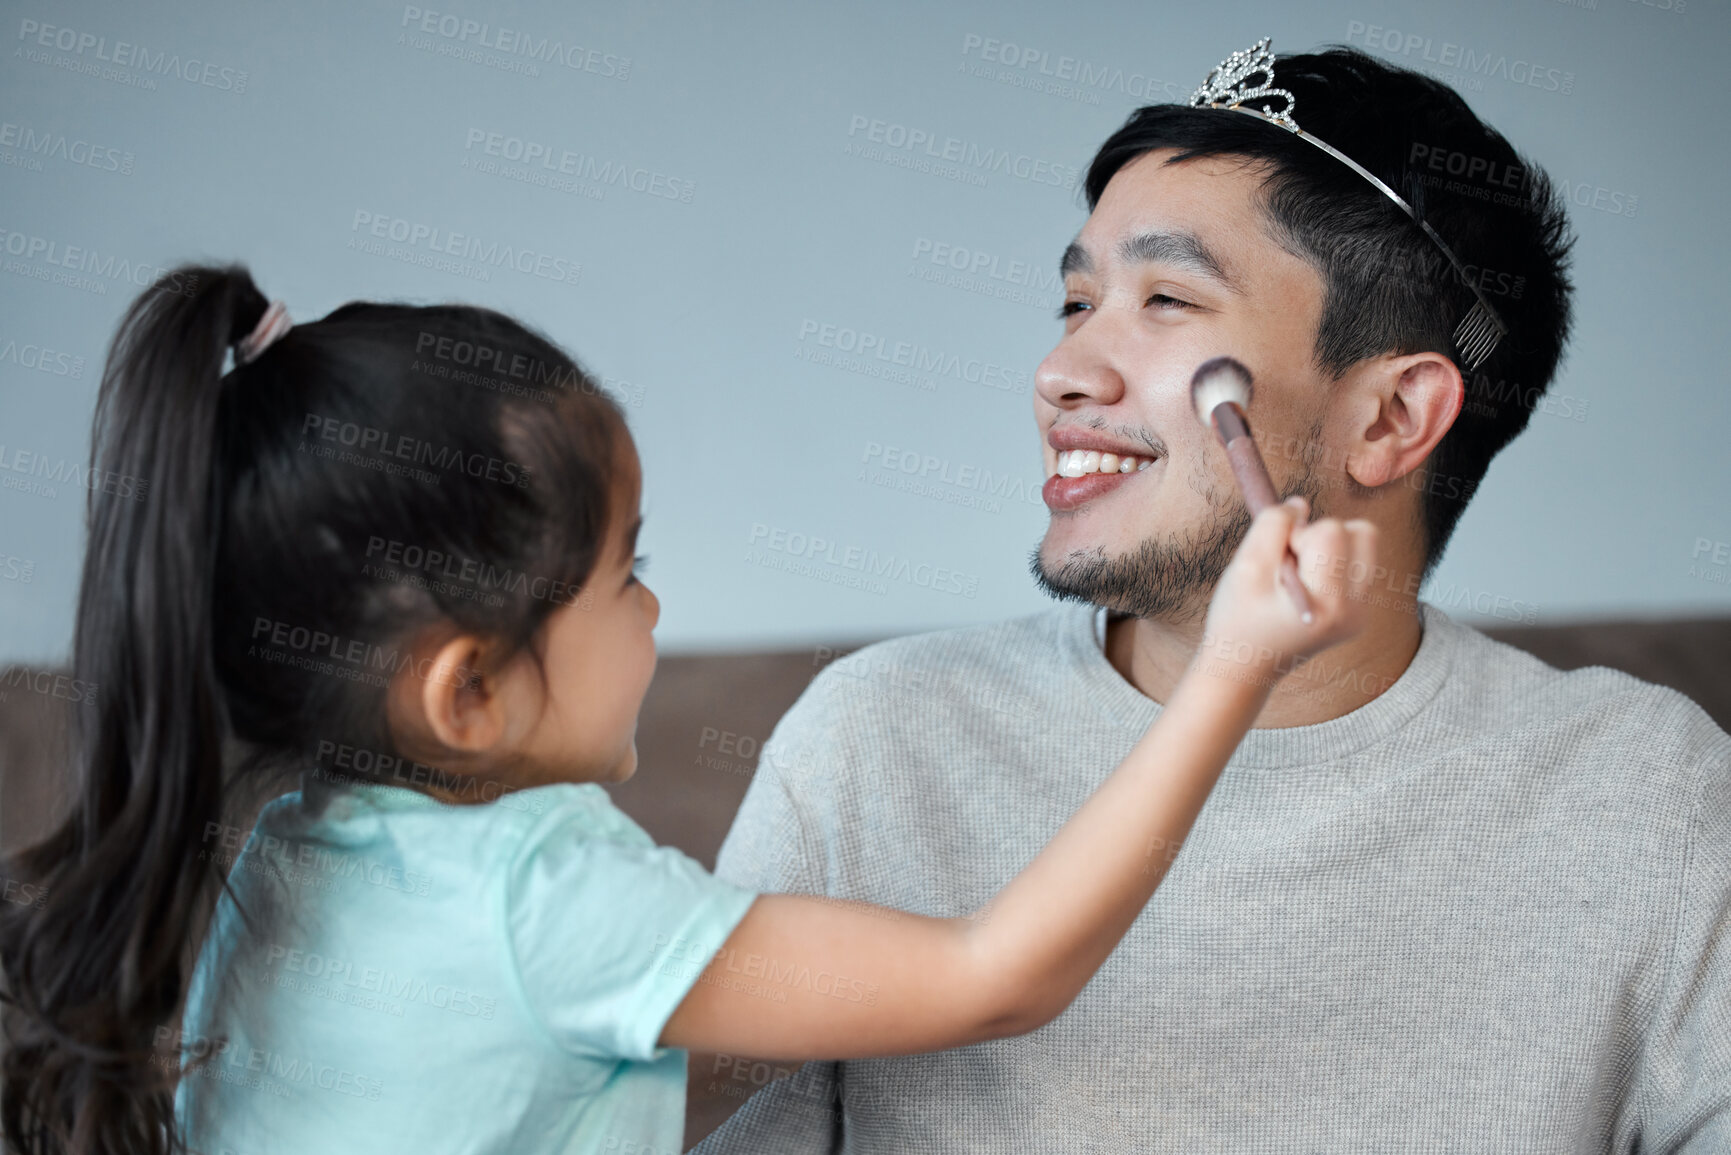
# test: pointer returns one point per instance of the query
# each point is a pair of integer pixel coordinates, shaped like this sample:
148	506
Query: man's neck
1153	655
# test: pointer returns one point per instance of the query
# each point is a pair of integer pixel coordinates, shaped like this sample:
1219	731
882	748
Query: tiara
1247	75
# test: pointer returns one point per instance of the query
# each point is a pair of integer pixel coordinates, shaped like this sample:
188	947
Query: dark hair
257	496
1387	287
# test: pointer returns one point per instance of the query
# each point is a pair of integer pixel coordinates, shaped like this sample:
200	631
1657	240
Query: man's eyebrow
1185	250
1075	260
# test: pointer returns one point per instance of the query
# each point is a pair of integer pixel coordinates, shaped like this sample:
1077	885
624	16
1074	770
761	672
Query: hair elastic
270	327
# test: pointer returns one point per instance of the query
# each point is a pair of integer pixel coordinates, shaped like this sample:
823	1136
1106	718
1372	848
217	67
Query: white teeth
1080	462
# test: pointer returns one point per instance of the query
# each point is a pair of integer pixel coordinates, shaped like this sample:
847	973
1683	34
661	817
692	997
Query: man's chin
1163	581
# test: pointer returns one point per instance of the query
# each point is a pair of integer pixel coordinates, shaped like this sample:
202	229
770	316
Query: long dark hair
236	518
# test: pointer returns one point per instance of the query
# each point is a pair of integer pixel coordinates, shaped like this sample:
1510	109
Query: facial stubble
1167	579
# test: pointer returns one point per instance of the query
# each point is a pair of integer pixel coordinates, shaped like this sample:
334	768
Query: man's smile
1088	463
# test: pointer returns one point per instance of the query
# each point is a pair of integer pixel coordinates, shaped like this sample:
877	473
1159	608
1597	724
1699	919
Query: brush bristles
1217	380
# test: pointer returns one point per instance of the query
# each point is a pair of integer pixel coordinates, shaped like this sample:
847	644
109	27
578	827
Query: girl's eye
638	565
1069	308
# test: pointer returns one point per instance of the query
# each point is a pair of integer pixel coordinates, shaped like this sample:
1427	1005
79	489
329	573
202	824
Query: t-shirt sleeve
609	936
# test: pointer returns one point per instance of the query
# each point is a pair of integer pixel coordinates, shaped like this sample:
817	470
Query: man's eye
1070	307
1166	302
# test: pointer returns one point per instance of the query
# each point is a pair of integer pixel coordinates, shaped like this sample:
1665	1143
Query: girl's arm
941	983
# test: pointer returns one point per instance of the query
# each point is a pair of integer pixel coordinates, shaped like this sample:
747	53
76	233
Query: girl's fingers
1363	567
1322	548
1269	532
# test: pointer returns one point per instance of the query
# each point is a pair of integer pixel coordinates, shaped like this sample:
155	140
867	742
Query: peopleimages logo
913	356
902	138
513	42
59	146
558	161
433	242
53	471
867	563
83	267
1441	158
40	358
262	1069
1072	77
981	263
1711	561
92	50
49	685
921	473
361	978
382	443
1450	55
976	271
446	572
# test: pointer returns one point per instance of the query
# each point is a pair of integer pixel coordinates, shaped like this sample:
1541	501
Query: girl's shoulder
367	812
360	844
583	809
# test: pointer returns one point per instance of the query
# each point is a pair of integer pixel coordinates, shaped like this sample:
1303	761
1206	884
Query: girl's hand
1252	620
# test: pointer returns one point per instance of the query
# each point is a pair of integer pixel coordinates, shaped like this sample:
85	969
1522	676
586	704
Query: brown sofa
706	718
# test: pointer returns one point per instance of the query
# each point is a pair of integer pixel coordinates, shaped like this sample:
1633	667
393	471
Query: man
1445	897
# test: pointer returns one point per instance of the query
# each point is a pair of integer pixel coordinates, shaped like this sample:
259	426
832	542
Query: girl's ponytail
96	971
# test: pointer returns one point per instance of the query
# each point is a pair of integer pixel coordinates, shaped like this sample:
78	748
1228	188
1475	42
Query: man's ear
447	701
1399	407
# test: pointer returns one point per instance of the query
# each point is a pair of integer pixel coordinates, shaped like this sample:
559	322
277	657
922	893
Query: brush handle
1258	489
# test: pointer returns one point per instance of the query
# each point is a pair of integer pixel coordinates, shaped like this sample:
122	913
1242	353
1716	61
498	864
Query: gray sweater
1487	911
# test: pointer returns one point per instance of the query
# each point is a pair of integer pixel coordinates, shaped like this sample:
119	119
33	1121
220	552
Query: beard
1170	580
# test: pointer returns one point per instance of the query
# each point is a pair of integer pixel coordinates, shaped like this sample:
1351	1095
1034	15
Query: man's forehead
1187	215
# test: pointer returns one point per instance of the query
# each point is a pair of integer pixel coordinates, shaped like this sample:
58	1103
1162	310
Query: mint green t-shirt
410	975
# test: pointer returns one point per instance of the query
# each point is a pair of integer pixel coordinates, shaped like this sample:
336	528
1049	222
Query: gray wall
750	236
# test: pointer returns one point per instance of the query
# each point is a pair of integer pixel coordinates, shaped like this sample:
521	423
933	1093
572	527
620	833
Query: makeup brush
1220	391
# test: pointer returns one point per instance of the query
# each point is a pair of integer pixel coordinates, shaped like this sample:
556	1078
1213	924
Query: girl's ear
447	702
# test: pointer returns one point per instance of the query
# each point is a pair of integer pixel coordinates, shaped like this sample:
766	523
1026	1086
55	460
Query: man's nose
1083	369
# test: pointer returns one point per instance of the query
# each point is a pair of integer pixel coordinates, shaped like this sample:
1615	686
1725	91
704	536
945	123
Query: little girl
387	560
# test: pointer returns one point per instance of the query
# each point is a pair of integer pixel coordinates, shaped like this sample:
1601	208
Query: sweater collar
1082	636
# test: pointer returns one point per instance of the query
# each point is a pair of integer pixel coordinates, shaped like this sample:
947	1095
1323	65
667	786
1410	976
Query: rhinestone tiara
1230	86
